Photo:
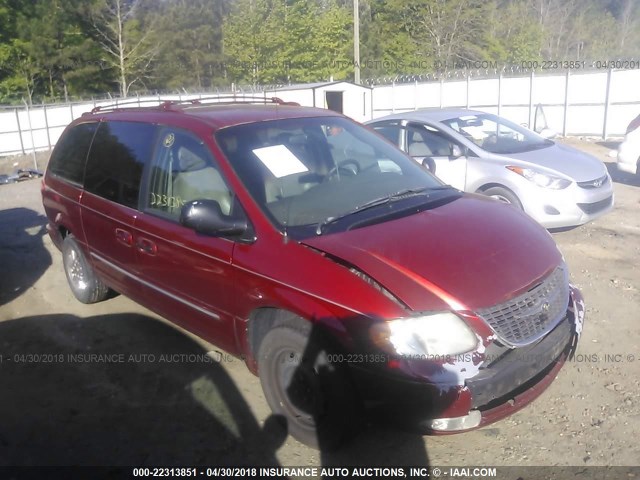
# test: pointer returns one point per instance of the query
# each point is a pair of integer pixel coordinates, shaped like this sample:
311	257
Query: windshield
497	135
306	171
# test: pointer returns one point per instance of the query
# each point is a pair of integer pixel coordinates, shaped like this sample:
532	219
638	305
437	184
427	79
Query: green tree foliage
512	35
46	52
280	41
190	35
125	38
57	49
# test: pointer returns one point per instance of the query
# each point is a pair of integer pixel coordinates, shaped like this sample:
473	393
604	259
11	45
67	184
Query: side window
183	170
116	160
425	141
70	155
390	132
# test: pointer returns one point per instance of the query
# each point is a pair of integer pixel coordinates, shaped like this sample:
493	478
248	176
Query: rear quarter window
117	158
69	157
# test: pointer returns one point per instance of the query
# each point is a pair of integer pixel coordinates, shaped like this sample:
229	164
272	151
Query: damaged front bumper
506	380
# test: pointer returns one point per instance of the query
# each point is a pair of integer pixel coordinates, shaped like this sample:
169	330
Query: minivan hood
579	166
471	253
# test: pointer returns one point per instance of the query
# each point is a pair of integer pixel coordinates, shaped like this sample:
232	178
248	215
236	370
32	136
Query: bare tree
627	22
127	47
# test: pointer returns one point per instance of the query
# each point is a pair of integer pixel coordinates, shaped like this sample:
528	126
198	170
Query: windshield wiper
376	202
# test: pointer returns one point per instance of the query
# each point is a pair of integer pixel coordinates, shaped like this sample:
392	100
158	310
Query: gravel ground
149	395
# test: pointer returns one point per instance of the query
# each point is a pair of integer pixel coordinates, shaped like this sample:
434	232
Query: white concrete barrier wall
581	103
574	103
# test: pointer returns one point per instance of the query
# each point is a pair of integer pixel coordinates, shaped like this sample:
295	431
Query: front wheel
84	283
302	381
503	195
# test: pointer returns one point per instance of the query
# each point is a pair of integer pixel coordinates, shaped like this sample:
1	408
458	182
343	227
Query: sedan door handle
124	237
146	246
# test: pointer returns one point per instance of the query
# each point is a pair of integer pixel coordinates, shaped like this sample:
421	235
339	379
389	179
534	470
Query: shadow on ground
610	144
127	389
120	390
23	256
622	177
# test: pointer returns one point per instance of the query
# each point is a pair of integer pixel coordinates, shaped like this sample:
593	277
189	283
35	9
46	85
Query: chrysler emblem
546	307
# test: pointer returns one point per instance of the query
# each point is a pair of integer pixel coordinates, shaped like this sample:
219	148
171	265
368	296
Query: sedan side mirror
205	216
456	151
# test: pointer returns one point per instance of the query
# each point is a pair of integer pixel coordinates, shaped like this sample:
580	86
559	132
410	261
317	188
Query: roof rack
175	105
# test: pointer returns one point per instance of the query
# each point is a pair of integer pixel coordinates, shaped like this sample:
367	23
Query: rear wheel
302	381
84	283
503	195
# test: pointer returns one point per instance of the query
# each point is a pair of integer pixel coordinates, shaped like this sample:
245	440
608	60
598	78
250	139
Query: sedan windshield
306	173
497	135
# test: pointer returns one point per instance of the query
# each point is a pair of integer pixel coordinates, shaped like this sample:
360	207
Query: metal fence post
531	114
19	131
468	87
566	105
606	104
33	143
393	97
499	92
46	124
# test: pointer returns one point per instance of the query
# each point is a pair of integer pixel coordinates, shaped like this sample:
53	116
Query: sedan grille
528	317
595	207
597	183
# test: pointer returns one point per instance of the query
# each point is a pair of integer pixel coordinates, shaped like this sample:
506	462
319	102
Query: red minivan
350	279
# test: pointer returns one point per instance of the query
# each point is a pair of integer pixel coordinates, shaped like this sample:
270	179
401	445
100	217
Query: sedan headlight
431	335
541	179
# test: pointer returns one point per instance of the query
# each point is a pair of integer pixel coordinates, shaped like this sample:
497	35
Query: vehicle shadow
622	177
610	144
23	255
121	389
382	436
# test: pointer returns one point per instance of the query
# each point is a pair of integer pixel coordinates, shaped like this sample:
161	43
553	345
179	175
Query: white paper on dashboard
280	160
388	166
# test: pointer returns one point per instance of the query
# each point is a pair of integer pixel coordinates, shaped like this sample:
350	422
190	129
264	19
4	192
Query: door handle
146	246
124	237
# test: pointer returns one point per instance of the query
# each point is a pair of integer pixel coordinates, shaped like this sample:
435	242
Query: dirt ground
112	384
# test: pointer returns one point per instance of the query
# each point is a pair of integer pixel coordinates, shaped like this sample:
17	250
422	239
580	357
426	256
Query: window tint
496	134
118	155
183	170
69	156
390	132
427	142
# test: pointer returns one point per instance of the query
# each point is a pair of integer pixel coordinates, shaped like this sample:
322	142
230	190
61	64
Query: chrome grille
527	317
597	183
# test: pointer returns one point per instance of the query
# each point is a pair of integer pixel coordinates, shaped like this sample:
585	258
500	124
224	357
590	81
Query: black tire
84	283
429	164
302	383
503	195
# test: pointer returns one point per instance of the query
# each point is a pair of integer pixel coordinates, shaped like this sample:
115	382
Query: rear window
70	154
118	155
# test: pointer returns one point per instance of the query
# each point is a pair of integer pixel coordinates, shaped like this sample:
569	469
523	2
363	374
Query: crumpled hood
579	166
471	253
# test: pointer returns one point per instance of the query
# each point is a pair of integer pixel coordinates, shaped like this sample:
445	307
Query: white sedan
478	152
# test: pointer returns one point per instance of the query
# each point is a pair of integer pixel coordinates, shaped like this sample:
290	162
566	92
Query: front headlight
431	335
541	179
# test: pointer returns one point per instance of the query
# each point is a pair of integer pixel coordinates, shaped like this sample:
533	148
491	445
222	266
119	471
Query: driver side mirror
456	151
205	216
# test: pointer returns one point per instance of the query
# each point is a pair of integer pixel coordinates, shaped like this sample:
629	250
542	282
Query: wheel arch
484	188
262	319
